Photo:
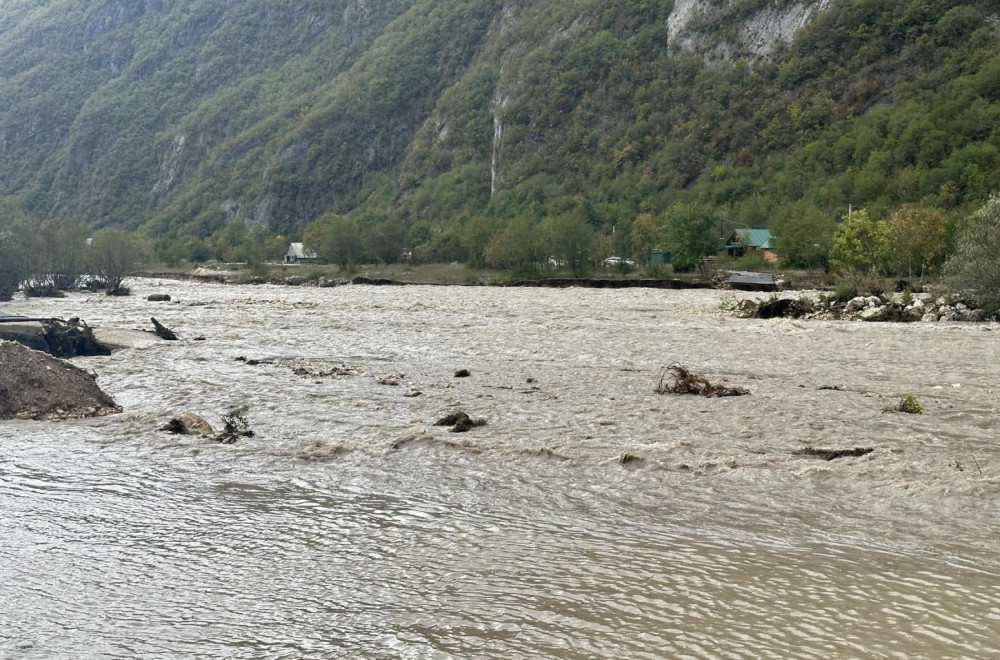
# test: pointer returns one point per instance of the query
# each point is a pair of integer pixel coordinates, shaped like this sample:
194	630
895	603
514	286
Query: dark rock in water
460	422
158	297
187	423
34	385
462	373
831	454
163	332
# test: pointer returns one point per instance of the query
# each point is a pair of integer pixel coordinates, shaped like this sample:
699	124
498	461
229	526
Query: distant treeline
514	136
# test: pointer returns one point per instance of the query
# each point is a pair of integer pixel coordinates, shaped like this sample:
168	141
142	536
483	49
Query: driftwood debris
162	331
676	379
71	338
831	454
236	426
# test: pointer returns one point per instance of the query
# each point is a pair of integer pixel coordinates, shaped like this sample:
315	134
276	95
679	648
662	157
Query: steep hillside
440	121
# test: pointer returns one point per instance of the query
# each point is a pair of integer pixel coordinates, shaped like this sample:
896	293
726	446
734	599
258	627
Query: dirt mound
34	385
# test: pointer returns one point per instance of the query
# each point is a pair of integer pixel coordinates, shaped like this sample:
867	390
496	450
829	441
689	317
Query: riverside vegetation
550	133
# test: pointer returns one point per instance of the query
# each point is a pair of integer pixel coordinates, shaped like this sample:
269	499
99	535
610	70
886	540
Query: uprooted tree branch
676	379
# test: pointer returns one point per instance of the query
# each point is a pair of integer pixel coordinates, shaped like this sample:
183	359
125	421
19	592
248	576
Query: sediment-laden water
590	517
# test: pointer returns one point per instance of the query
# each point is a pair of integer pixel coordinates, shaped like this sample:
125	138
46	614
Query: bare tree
114	255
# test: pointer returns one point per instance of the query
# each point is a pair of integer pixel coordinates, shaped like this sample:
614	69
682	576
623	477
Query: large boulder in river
187	423
34	385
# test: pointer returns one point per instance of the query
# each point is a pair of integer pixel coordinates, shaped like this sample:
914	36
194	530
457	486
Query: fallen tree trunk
162	331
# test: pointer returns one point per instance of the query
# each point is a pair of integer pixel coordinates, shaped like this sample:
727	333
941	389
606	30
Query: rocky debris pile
34	385
898	308
676	379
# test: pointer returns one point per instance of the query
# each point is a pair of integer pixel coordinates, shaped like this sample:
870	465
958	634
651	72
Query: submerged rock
34	385
460	422
389	379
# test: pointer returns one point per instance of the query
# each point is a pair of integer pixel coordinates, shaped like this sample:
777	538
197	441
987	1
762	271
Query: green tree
570	239
475	238
690	234
647	235
517	247
861	244
803	235
973	269
334	239
919	238
386	240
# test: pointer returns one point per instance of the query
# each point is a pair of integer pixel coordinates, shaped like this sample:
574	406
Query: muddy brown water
351	526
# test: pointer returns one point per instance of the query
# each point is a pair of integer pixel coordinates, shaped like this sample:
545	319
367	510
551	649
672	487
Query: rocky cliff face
729	30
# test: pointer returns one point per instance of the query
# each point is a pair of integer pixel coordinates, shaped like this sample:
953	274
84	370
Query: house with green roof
752	239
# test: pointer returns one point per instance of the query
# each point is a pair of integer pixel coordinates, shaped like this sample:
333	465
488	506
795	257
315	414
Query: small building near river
297	254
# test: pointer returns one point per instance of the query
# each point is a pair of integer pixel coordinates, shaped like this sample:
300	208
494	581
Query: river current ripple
590	517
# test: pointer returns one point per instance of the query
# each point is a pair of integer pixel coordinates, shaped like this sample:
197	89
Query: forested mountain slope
437	123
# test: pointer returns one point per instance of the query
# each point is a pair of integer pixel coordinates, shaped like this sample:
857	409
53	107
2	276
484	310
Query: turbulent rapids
588	516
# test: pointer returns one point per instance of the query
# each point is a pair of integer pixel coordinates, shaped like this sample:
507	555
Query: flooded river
589	518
